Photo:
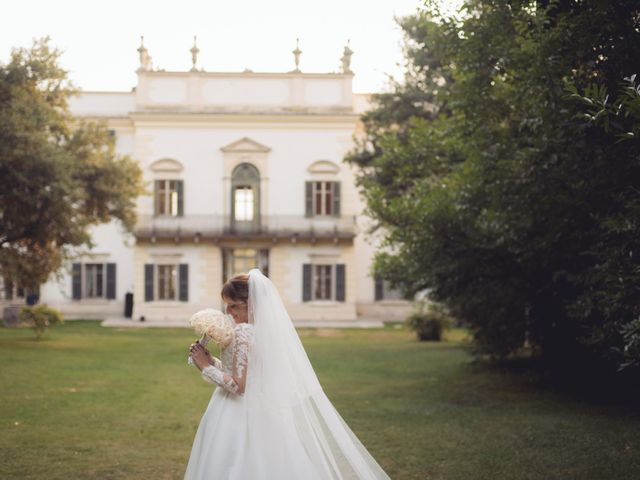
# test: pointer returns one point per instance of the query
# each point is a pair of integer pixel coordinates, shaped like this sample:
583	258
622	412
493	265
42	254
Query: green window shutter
8	289
233	206
308	196
180	191
76	281
111	281
148	282
183	278
225	264
156	187
340	282
379	292
263	261
336	199
306	282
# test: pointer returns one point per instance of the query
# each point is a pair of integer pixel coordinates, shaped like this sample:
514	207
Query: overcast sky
99	39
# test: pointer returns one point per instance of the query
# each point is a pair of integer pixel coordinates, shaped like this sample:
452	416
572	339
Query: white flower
214	324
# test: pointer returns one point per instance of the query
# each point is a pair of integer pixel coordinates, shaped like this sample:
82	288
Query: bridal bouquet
214	325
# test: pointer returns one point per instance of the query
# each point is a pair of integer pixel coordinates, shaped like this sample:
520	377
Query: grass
93	402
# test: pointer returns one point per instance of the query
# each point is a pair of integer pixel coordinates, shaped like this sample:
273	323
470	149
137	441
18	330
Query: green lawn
92	402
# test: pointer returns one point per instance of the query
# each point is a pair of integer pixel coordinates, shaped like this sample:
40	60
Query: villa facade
242	170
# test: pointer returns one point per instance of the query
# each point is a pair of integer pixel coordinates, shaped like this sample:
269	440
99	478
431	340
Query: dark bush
429	321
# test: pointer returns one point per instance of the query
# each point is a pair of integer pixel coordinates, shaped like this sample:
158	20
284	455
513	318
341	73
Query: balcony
221	227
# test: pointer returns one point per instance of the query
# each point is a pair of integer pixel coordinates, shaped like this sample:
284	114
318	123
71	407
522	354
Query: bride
269	417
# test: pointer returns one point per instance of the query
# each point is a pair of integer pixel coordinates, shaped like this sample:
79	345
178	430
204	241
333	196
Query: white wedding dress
217	450
281	426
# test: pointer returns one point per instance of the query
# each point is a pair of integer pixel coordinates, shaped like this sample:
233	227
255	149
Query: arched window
245	197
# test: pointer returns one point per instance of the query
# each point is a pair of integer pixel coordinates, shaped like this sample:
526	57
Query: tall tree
513	210
58	175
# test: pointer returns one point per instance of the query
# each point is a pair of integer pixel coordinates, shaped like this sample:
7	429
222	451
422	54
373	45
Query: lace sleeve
234	383
216	362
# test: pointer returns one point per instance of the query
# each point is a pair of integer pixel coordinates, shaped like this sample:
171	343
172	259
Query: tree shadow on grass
583	382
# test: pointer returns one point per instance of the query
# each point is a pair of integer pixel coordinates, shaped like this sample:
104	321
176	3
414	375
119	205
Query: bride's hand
207	353
200	355
199	346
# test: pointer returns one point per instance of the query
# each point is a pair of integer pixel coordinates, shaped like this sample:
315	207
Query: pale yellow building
245	170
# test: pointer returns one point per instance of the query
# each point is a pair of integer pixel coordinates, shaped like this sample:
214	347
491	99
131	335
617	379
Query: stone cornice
291	120
121	123
245	74
103	92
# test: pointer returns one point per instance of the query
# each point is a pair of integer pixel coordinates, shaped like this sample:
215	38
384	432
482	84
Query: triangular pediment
245	145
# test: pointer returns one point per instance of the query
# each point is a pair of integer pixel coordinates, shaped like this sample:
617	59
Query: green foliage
619	115
500	197
429	321
40	317
58	176
631	349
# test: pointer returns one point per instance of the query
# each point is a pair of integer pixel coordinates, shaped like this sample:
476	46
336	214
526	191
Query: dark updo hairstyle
236	288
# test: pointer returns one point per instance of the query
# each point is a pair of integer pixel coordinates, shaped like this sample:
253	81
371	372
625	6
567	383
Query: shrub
631	336
40	317
429	321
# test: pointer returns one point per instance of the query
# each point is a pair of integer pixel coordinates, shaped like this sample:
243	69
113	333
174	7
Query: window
168	197
241	260
244	203
10	291
383	290
244	259
245	197
167	280
322	284
93	280
322	199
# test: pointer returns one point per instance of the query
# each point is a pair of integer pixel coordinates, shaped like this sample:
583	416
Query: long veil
291	419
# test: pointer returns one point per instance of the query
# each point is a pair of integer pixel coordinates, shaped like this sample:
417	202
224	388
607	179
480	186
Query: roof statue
194	54
296	55
145	58
346	58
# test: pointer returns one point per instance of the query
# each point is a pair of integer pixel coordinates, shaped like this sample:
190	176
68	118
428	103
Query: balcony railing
223	227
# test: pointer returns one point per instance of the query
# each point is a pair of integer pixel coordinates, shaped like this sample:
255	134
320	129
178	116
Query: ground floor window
383	290
93	280
240	260
324	282
11	291
166	282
